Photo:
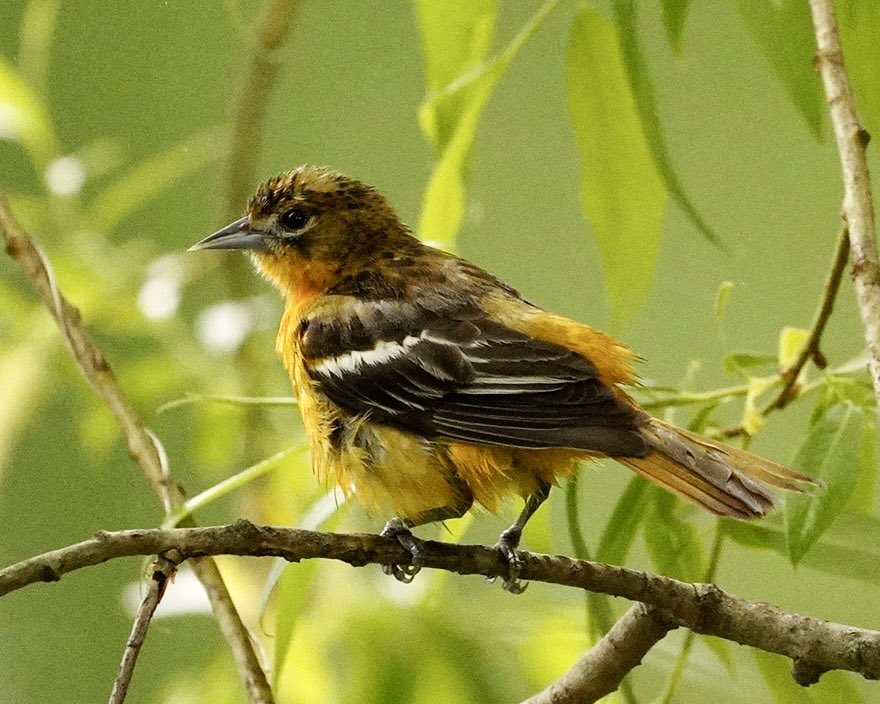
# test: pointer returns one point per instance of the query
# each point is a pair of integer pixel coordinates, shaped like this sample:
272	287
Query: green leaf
837	687
451	113
621	530
444	200
860	30
464	656
832	452
862	498
456	37
26	376
24	118
783	31
791	342
643	90
572	519
601	617
724	291
674	15
720	649
150	178
622	194
291	584
37	29
753	419
776	671
673	544
834	687
741	362
292	590
850	548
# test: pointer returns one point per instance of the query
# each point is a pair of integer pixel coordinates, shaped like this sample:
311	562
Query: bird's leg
400	528
508	541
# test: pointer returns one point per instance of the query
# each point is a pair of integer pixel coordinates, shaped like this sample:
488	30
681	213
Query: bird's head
308	227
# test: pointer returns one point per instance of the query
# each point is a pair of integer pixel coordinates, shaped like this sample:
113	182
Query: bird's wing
462	376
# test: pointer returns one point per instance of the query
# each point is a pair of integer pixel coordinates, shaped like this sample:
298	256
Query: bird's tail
722	479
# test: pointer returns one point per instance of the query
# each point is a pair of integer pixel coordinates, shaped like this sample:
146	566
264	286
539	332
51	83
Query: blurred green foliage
525	118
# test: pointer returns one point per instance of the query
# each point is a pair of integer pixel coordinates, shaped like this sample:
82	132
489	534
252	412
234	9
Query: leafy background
494	128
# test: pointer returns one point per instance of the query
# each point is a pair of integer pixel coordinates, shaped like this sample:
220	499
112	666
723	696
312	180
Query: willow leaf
622	193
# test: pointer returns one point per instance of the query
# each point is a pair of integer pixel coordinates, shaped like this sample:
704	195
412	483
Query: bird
427	385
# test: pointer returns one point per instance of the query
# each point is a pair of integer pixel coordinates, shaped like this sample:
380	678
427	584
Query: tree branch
143	446
811	349
601	670
814	645
161	573
858	208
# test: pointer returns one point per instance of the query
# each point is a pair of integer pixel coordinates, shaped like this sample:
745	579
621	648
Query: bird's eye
294	219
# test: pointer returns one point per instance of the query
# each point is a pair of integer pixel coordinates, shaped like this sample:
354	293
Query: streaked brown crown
317	189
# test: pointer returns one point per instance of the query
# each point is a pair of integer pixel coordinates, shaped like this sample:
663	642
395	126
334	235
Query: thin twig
687	398
858	208
192	399
811	350
142	443
161	573
602	668
814	645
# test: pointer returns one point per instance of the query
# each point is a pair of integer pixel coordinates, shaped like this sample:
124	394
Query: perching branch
858	208
161	573
603	667
143	446
814	645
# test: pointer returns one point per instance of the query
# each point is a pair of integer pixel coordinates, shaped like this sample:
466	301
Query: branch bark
602	668
858	208
143	446
814	645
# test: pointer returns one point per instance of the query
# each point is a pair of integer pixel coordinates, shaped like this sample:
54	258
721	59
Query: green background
126	81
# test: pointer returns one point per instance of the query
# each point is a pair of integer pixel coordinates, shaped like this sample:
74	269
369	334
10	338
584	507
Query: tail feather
724	480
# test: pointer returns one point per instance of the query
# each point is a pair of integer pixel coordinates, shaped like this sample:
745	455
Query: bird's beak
236	235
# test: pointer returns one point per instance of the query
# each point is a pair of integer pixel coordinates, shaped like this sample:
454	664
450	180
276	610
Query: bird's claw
404	573
506	545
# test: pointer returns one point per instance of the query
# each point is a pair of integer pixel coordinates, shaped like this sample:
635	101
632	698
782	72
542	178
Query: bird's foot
404	573
507	544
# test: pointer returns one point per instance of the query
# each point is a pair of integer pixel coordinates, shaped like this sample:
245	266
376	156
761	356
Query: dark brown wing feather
462	376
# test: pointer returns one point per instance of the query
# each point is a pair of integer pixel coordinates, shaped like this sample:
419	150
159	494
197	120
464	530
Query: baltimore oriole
425	383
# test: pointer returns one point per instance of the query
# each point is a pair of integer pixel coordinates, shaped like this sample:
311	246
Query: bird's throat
300	282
